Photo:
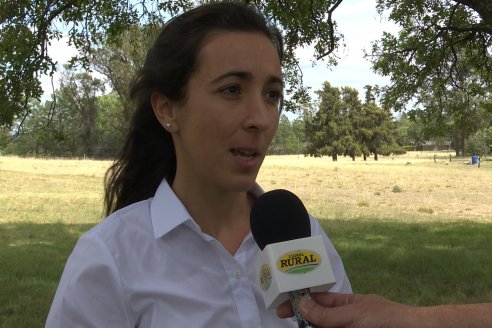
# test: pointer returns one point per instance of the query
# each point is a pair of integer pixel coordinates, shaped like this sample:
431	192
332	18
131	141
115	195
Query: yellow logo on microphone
265	277
298	262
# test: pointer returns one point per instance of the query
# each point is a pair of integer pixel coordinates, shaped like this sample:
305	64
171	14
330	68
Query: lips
244	154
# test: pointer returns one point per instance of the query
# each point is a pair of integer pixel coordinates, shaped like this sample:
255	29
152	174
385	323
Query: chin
242	184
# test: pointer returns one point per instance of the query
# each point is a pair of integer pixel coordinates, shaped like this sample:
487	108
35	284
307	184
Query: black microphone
291	262
278	215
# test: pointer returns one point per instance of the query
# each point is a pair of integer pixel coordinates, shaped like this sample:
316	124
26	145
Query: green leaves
342	125
437	39
88	24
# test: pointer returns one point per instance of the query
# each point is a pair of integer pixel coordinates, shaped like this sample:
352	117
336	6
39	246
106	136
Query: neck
222	215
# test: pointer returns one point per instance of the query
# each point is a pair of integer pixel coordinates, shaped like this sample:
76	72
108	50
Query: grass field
410	228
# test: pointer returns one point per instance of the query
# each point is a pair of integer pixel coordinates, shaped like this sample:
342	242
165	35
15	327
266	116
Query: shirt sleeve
90	292
342	284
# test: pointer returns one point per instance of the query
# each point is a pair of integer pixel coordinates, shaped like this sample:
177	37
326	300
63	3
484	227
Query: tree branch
331	48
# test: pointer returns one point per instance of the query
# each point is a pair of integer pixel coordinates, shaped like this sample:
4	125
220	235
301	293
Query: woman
176	250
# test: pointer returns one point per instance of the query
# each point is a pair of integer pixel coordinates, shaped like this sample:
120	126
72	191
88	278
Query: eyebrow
245	75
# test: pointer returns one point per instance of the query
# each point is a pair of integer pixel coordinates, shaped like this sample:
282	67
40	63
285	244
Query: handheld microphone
292	263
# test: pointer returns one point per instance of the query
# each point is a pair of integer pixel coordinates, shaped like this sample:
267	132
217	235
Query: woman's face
223	128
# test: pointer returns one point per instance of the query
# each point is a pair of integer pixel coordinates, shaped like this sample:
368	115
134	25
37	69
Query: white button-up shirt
150	265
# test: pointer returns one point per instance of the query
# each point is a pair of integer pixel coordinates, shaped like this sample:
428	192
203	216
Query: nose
260	115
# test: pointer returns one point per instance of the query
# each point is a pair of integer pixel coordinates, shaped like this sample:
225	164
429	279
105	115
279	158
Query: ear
164	111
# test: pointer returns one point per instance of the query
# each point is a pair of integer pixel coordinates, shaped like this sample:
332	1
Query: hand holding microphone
292	262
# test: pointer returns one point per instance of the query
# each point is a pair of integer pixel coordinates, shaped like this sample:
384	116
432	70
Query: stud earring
167	125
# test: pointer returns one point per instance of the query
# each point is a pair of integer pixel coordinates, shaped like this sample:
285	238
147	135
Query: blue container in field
474	159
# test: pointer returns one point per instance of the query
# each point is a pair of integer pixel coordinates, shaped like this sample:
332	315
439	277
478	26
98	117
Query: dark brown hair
148	154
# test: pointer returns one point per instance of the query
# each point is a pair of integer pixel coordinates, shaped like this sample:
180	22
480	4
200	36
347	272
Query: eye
274	96
231	90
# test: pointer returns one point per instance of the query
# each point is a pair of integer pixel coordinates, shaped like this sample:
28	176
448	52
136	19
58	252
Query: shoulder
316	228
133	216
116	233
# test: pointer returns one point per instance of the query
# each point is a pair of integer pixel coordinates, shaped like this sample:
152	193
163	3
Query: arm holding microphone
285	235
326	310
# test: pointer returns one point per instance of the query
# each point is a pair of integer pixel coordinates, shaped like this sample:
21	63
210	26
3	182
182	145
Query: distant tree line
339	124
83	118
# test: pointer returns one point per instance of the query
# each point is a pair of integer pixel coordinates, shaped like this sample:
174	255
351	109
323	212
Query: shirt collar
167	211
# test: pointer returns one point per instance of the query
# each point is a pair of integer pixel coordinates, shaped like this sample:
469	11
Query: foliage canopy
437	40
88	24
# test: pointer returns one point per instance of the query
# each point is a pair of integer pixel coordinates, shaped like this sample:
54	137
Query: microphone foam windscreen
278	215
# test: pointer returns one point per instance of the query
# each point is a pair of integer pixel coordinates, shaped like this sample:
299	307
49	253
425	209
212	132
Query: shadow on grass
32	258
421	264
416	263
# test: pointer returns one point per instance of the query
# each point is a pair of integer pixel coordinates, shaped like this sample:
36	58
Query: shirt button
237	274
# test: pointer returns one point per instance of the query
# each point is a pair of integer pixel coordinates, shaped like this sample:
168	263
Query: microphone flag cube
293	265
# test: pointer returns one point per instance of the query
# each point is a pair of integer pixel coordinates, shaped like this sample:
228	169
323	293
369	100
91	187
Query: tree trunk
375	156
462	144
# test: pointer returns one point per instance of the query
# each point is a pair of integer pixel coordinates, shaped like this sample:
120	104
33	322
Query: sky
360	24
357	20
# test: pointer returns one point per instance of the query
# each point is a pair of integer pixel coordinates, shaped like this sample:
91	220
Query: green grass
416	263
32	257
427	245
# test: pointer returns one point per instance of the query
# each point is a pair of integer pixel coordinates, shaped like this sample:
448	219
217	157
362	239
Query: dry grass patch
51	191
77	167
454	191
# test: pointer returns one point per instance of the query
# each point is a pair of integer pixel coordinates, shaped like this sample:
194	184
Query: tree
47	131
352	104
438	38
279	142
328	130
297	139
4	139
111	127
382	139
363	128
480	143
89	24
370	98
289	136
454	112
118	62
79	92
410	133
62	131
344	126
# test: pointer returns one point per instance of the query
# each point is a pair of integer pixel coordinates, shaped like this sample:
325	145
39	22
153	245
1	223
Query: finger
327	299
285	310
333	299
322	316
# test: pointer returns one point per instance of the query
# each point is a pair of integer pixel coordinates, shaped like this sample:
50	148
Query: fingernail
306	304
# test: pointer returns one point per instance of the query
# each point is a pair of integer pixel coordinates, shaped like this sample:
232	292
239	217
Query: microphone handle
295	296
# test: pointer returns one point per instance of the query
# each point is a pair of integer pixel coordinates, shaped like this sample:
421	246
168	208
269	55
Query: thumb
320	316
312	311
